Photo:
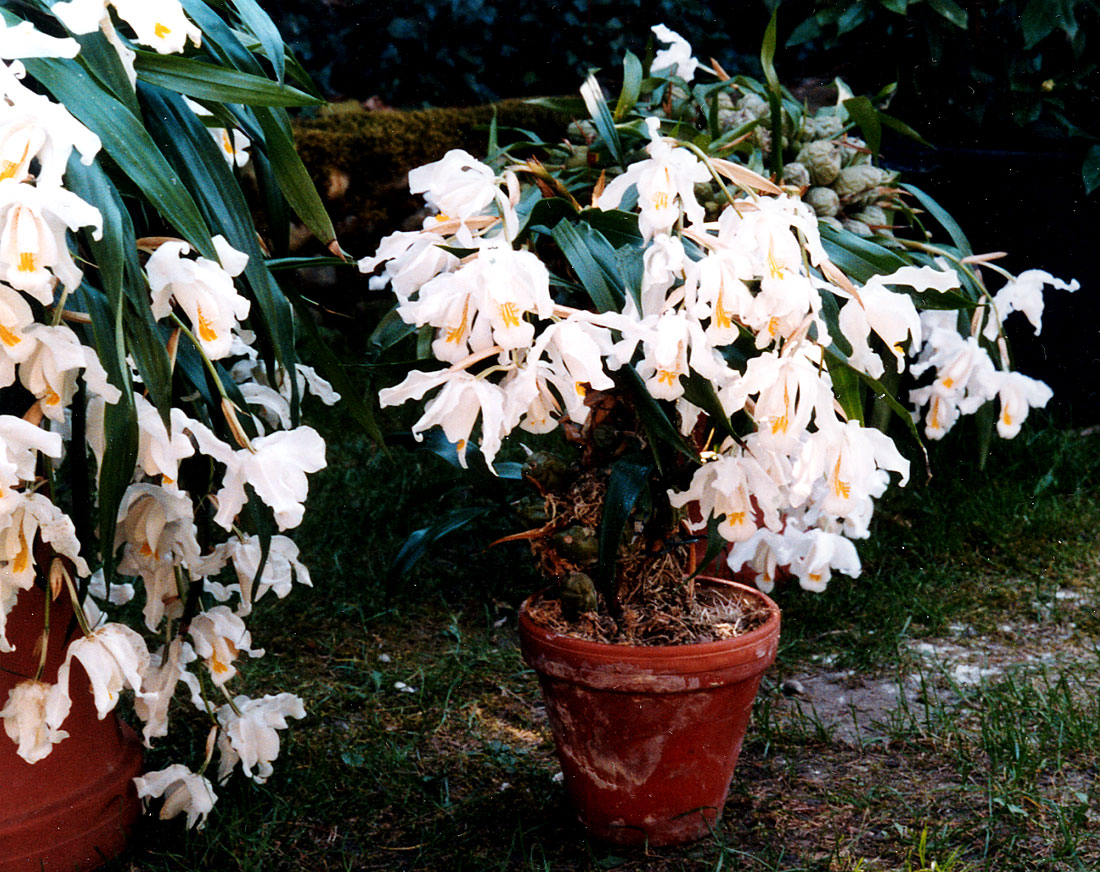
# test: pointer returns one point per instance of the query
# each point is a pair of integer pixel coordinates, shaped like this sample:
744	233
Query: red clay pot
648	737
74	809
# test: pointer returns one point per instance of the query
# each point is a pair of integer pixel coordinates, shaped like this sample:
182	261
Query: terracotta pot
73	809
648	736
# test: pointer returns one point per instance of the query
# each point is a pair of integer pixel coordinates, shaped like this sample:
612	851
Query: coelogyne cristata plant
146	347
707	339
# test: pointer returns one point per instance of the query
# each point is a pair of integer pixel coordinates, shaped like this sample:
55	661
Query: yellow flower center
721	316
666	376
26	262
509	314
840	488
736	518
161	30
580	388
22	559
9	338
206	329
660	200
455	334
52	398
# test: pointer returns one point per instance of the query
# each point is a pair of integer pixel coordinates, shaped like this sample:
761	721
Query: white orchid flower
792	389
717	292
203	289
184	792
456	408
1024	294
486	302
160	451
24	717
665	183
232	143
20	444
893	317
275	467
166	669
16	346
23	517
841	469
763	552
159	24
35	127
663	264
23	40
281	568
460	186
1018	394
412	258
50	372
734	486
249	733
114	658
219	637
675	60
814	554
34	253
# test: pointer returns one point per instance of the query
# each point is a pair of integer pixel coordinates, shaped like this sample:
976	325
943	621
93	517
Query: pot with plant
687	352
151	393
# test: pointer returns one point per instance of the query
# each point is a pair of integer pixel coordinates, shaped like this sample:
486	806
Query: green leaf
846	385
281	264
775	93
863	113
198	161
902	128
700	392
616	225
659	429
292	175
944	217
128	143
418	542
120	429
807	30
632	85
601	117
263	28
858	257
276	136
571	239
1037	22
629	479
950	10
213	82
545	213
898	6
1090	169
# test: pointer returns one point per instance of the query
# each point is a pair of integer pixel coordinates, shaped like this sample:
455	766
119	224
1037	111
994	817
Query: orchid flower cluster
762	336
144	354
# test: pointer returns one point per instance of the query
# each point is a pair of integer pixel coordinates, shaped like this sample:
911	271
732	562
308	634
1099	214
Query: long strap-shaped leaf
629	479
592	276
198	160
128	143
213	82
278	140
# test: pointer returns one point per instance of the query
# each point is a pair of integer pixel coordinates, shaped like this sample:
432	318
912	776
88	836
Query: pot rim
692	650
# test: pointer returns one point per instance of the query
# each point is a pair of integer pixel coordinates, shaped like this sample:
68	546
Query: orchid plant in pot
689	348
151	394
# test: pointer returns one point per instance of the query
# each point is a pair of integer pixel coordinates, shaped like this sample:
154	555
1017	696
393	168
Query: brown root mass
660	602
709	614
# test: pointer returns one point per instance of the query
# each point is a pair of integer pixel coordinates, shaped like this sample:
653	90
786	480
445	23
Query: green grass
458	774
